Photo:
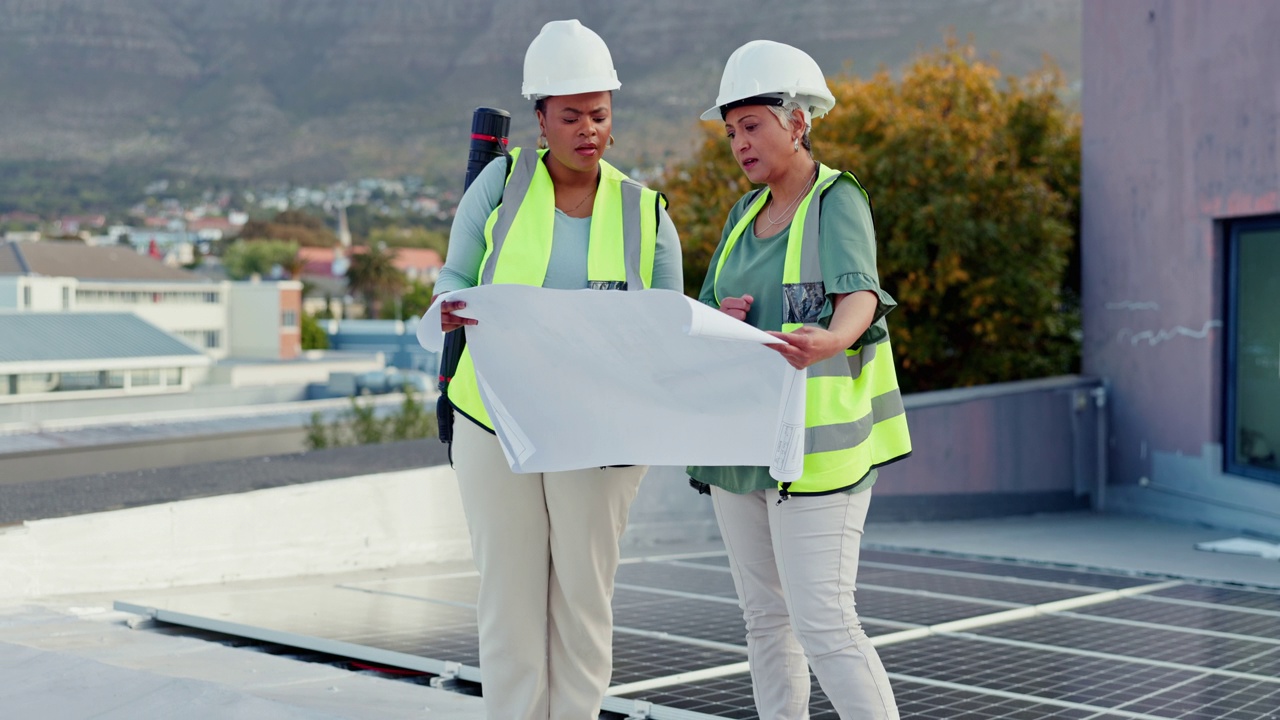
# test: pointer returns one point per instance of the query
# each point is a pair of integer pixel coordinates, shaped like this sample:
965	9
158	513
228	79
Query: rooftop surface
54	258
59	337
1062	616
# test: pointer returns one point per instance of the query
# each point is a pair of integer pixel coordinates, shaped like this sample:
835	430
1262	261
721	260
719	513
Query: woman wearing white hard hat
797	259
546	544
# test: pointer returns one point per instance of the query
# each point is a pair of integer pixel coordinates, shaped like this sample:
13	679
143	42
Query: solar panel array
961	638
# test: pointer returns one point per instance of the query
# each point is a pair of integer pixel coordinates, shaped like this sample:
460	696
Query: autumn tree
974	182
293	225
412	236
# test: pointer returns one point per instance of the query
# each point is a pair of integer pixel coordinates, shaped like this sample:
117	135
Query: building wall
397	340
1003	449
10	295
47	293
291	308
256	312
254	309
1180	131
178	308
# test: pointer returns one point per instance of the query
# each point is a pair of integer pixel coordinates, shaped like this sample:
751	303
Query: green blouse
848	253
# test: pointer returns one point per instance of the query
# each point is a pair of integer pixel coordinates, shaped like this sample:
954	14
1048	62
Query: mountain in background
313	90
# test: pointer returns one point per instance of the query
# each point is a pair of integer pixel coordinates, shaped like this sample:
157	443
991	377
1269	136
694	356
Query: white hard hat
764	67
567	58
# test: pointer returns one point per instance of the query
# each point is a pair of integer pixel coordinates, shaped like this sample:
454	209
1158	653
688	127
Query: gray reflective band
631	234
834	366
512	196
844	365
860	360
810	257
888	405
842	436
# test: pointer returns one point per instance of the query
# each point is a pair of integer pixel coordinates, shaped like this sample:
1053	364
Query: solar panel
1213	697
689	618
727	697
1096	682
1259	599
1184	652
902	607
1172	646
990	589
942	702
1223	619
995	568
681	578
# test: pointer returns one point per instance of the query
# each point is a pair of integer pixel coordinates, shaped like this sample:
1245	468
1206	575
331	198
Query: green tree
974	181
374	276
361	425
243	258
416	300
413	420
314	336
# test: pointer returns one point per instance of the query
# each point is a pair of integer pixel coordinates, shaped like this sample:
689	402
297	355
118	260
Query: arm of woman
854	313
466	240
668	259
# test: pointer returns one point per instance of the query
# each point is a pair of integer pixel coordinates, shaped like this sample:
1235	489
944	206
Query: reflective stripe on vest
518	237
854	415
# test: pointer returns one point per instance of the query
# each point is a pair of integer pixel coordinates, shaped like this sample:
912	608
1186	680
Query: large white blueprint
586	378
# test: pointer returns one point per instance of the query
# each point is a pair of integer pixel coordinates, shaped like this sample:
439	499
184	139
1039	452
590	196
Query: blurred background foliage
974	180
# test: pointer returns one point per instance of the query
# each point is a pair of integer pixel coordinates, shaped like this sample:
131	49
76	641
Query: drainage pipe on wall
1100	478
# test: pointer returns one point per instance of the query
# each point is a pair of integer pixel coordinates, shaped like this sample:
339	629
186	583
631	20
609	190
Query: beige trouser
546	546
794	565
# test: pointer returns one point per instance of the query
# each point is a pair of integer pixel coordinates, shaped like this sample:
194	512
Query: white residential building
220	318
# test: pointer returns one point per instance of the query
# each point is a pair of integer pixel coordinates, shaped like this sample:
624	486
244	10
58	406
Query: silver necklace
787	212
590	192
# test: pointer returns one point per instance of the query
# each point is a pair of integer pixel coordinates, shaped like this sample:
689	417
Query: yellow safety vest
518	236
854	416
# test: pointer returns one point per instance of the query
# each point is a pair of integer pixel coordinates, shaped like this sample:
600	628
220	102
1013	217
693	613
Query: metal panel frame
1234	230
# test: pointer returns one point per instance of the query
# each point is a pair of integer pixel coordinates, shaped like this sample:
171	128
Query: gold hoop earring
610	143
542	142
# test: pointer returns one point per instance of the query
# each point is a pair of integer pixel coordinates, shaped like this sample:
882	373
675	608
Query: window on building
35	383
77	381
66	298
144	378
26	297
1252	433
289	319
212	339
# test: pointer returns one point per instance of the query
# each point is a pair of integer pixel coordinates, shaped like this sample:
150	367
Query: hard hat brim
817	111
721	110
570	87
